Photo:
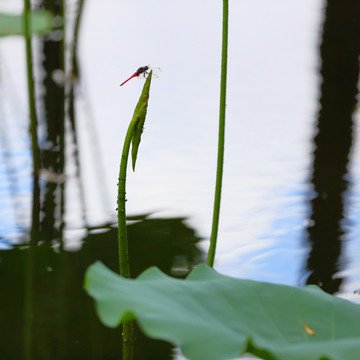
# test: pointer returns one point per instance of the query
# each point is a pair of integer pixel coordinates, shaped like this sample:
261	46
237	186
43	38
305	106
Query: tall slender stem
221	140
133	136
124	267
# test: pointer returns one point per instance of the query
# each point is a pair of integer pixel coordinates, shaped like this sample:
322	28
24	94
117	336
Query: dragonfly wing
155	70
143	75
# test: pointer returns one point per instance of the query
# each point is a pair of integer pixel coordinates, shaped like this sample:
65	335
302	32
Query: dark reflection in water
44	311
339	51
63	320
51	118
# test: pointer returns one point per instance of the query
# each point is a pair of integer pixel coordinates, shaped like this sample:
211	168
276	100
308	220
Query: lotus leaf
213	317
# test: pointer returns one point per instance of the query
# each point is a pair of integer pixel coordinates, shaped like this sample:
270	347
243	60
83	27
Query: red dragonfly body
138	72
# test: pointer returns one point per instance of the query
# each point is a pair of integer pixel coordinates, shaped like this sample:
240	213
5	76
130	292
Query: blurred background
291	189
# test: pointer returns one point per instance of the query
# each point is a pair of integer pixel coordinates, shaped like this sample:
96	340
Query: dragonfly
143	72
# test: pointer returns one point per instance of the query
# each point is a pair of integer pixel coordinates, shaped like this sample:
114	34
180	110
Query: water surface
290	202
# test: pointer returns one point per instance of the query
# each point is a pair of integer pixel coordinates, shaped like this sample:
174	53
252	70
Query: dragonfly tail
128	79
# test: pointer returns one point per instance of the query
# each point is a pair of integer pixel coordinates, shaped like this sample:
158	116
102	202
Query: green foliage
133	135
211	316
41	23
139	119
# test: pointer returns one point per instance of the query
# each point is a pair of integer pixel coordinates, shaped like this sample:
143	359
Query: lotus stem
221	140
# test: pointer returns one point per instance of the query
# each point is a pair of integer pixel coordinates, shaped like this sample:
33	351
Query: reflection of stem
33	117
74	63
31	92
73	80
36	189
28	307
220	158
95	148
28	303
62	137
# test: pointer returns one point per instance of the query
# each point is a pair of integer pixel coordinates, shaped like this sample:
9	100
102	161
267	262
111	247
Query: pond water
291	189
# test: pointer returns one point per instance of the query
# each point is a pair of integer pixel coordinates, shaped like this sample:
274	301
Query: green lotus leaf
214	317
139	118
41	23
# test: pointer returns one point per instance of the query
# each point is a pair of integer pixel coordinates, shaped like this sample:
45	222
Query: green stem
133	136
221	141
124	267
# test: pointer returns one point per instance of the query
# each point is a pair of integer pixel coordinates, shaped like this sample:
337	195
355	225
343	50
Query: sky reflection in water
271	114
